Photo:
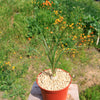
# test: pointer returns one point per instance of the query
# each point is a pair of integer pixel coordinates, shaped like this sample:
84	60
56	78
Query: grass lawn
19	63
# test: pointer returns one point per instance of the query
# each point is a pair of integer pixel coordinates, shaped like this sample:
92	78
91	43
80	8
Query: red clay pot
54	95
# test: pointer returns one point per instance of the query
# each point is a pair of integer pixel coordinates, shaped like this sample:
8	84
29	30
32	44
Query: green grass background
16	49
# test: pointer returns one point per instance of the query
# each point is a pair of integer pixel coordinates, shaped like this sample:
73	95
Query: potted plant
53	82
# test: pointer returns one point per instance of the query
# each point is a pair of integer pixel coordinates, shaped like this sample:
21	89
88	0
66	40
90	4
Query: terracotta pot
54	95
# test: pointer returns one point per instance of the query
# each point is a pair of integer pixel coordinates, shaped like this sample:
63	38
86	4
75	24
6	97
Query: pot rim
54	90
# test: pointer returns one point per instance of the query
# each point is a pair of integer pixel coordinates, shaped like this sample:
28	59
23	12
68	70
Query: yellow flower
1	66
92	41
67	49
49	46
56	52
60	11
84	44
56	12
61	18
63	27
6	63
51	32
14	52
62	46
42	54
72	24
30	57
20	57
73	51
79	27
13	67
65	43
9	64
72	27
75	43
64	51
84	36
73	55
75	36
58	20
84	25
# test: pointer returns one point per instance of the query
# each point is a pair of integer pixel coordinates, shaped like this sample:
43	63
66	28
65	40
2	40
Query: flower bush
91	27
6	70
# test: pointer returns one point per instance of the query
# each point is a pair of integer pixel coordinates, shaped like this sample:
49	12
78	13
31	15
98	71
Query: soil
58	82
1	93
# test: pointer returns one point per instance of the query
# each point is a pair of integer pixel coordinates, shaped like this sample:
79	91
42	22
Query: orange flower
88	36
64	22
58	20
82	41
81	37
61	18
49	3
46	27
29	39
46	4
43	3
80	44
88	39
93	36
91	33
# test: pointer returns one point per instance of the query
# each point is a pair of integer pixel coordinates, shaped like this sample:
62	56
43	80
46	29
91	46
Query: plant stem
97	40
53	71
